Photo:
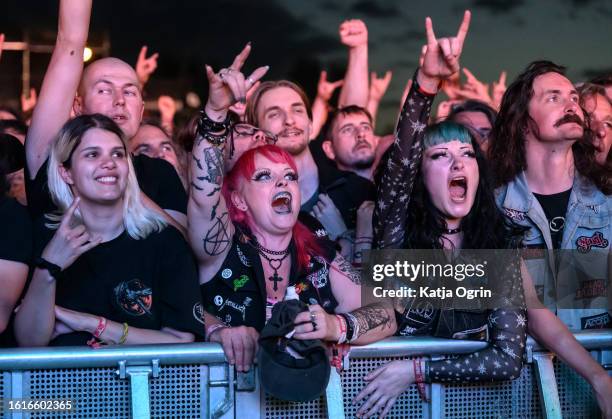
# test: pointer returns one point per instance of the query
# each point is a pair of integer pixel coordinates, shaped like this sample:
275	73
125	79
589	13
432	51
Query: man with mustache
548	183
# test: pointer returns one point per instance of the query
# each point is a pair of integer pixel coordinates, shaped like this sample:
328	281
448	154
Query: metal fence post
547	385
333	393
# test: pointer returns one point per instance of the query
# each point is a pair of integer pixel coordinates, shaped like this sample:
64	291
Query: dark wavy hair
584	151
484	227
507	150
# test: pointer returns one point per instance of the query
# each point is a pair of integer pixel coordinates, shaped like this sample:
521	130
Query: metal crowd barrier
194	381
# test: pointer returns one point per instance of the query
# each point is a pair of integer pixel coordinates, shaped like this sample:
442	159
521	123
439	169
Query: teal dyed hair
445	132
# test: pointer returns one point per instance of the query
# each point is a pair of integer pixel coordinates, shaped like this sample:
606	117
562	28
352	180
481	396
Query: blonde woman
111	270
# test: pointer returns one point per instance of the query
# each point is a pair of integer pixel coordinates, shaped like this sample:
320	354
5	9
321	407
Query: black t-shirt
15	245
555	208
156	177
16	232
347	189
149	283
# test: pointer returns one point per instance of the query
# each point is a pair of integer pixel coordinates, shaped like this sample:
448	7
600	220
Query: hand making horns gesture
442	55
229	85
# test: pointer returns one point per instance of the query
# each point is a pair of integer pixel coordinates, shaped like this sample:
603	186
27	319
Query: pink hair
305	242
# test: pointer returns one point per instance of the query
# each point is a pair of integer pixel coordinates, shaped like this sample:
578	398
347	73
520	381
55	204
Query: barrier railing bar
83	357
547	386
399	346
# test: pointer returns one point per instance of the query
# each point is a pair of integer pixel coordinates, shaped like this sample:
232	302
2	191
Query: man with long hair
549	182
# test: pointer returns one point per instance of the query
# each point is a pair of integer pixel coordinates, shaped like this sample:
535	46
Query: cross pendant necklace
275	264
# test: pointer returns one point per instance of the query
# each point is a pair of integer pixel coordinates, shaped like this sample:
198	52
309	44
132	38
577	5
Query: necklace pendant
276	279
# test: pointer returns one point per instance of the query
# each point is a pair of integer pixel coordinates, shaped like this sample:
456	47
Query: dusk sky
298	38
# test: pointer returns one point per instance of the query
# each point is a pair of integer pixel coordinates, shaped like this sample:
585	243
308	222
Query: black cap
300	377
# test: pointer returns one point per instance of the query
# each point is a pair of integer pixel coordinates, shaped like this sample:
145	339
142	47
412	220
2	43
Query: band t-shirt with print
149	283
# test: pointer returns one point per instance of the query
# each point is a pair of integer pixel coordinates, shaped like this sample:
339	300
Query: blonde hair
139	221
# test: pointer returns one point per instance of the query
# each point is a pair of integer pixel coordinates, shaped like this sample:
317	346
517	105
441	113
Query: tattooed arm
376	321
210	227
400	163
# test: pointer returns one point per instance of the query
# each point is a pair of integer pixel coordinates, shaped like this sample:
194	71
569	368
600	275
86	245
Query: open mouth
119	119
291	133
107	180
281	203
458	188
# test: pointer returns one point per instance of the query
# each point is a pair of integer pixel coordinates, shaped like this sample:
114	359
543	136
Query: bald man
108	86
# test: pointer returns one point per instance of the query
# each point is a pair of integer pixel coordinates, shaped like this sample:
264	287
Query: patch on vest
514	214
198	312
245	261
585	243
591	289
598	321
318	278
240	282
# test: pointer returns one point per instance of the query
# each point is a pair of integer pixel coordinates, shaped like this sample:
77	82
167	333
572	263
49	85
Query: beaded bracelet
126	330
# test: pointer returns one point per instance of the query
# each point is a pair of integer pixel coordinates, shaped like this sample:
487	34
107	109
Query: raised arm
325	90
60	83
399	166
145	66
378	87
354	34
210	227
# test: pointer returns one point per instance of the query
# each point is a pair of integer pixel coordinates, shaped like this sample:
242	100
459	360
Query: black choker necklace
275	264
450	231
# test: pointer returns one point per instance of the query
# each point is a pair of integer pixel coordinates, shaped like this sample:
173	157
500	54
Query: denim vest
587	230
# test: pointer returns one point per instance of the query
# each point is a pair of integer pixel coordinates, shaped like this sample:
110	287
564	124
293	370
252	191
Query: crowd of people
120	228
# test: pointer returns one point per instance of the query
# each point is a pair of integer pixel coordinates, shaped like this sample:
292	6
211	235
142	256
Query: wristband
96	341
210	125
417	86
350	329
420	382
54	270
342	325
126	330
212	329
207	126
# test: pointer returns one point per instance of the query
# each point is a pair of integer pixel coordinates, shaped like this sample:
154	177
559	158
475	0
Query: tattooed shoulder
347	269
